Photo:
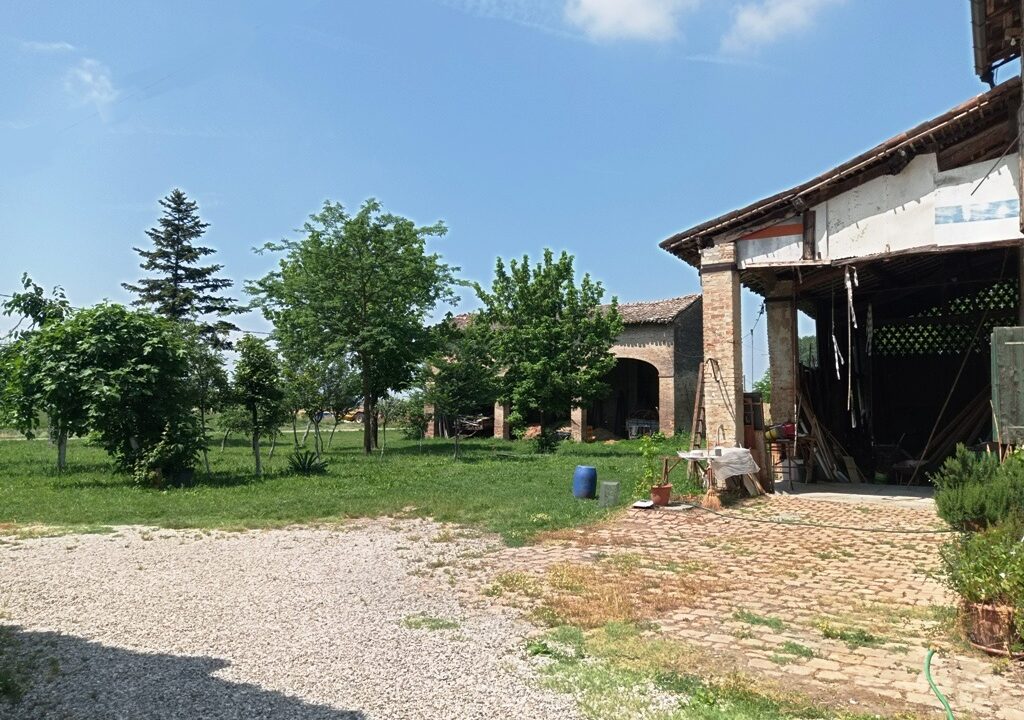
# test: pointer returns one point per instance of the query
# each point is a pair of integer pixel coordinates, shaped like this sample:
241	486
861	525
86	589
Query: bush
988	567
974	491
170	461
306	463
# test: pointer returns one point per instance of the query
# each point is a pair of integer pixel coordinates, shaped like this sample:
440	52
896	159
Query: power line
241	330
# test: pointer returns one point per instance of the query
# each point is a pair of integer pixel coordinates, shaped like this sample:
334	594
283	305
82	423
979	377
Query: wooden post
808	235
1020	189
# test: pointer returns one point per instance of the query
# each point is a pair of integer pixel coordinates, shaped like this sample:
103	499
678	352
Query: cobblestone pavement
776	588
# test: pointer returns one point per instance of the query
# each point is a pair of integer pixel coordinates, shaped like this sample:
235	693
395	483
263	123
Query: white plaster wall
785	248
922	207
918	208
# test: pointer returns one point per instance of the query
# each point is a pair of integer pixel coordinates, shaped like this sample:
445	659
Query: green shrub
974	491
988	567
650	457
306	463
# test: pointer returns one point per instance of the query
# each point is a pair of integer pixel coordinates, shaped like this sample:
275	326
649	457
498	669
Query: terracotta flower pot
990	628
661	494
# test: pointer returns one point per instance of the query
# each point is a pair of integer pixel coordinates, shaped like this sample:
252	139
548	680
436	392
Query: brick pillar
781	353
431	431
502	430
578	419
667	405
723	379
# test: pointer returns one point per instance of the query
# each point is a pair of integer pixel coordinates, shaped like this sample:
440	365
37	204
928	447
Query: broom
710	500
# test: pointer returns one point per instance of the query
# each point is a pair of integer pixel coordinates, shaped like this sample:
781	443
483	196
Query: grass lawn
500	486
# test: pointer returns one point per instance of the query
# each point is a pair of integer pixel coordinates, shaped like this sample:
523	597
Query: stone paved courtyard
771	591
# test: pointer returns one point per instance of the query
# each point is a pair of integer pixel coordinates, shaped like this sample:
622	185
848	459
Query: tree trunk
305	435
333	430
367	430
202	425
373	421
456	426
256	442
224	440
273	445
295	428
256	453
62	450
318	442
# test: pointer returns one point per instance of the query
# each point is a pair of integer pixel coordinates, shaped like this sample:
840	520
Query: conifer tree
181	288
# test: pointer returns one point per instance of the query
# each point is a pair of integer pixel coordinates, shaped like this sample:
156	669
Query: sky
600	127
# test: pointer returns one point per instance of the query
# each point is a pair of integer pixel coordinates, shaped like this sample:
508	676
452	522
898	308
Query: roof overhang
996	32
979	115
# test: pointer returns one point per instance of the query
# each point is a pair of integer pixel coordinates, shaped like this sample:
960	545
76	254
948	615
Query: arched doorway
633	395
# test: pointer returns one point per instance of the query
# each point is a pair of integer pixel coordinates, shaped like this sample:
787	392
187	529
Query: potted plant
986	569
650	477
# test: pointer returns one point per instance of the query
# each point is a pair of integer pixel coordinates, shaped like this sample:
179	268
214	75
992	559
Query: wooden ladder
699	427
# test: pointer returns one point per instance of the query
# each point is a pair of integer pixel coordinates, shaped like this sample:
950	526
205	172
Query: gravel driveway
307	624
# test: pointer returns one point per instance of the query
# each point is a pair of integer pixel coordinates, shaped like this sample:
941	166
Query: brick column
667	405
578	419
781	352
431	431
723	378
502	430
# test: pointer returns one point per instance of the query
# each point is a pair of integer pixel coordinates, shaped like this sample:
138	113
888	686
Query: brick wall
689	346
723	385
781	338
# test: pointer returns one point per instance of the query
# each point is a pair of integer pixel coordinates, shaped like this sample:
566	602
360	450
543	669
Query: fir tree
182	289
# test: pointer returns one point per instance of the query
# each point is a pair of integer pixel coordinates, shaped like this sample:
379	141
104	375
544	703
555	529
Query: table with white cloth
721	463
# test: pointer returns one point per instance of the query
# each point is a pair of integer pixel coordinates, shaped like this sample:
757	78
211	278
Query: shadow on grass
48	675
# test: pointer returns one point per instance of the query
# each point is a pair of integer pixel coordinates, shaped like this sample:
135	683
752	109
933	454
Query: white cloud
89	83
46	47
628	19
760	23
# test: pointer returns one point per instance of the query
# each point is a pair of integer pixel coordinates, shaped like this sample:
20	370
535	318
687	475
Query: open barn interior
905	376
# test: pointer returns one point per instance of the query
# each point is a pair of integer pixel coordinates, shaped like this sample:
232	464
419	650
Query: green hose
934	687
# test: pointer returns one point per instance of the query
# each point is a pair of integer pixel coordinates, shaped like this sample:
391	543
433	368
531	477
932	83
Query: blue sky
596	126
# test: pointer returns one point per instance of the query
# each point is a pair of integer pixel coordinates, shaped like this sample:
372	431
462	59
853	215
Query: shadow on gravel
50	675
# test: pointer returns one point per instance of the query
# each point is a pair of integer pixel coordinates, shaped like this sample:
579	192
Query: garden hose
934	687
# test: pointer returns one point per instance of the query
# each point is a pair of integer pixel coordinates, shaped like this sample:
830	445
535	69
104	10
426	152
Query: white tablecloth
731	461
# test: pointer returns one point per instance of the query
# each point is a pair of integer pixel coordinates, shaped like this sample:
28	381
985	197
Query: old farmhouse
906	257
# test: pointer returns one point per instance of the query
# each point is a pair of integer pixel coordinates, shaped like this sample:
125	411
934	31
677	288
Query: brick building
659	352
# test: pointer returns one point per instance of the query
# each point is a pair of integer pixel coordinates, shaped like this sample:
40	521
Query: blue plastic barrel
584	482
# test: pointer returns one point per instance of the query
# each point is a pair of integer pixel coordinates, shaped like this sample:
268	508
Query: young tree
134	367
359	286
120	374
461	378
209	386
181	288
34	379
258	388
551	337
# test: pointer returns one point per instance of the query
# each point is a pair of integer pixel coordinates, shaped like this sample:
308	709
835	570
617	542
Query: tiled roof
657	312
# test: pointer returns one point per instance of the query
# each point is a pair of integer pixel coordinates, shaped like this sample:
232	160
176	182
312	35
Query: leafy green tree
31	305
119	374
764	386
182	289
134	368
208	385
33	381
462	378
360	287
305	390
258	388
551	337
